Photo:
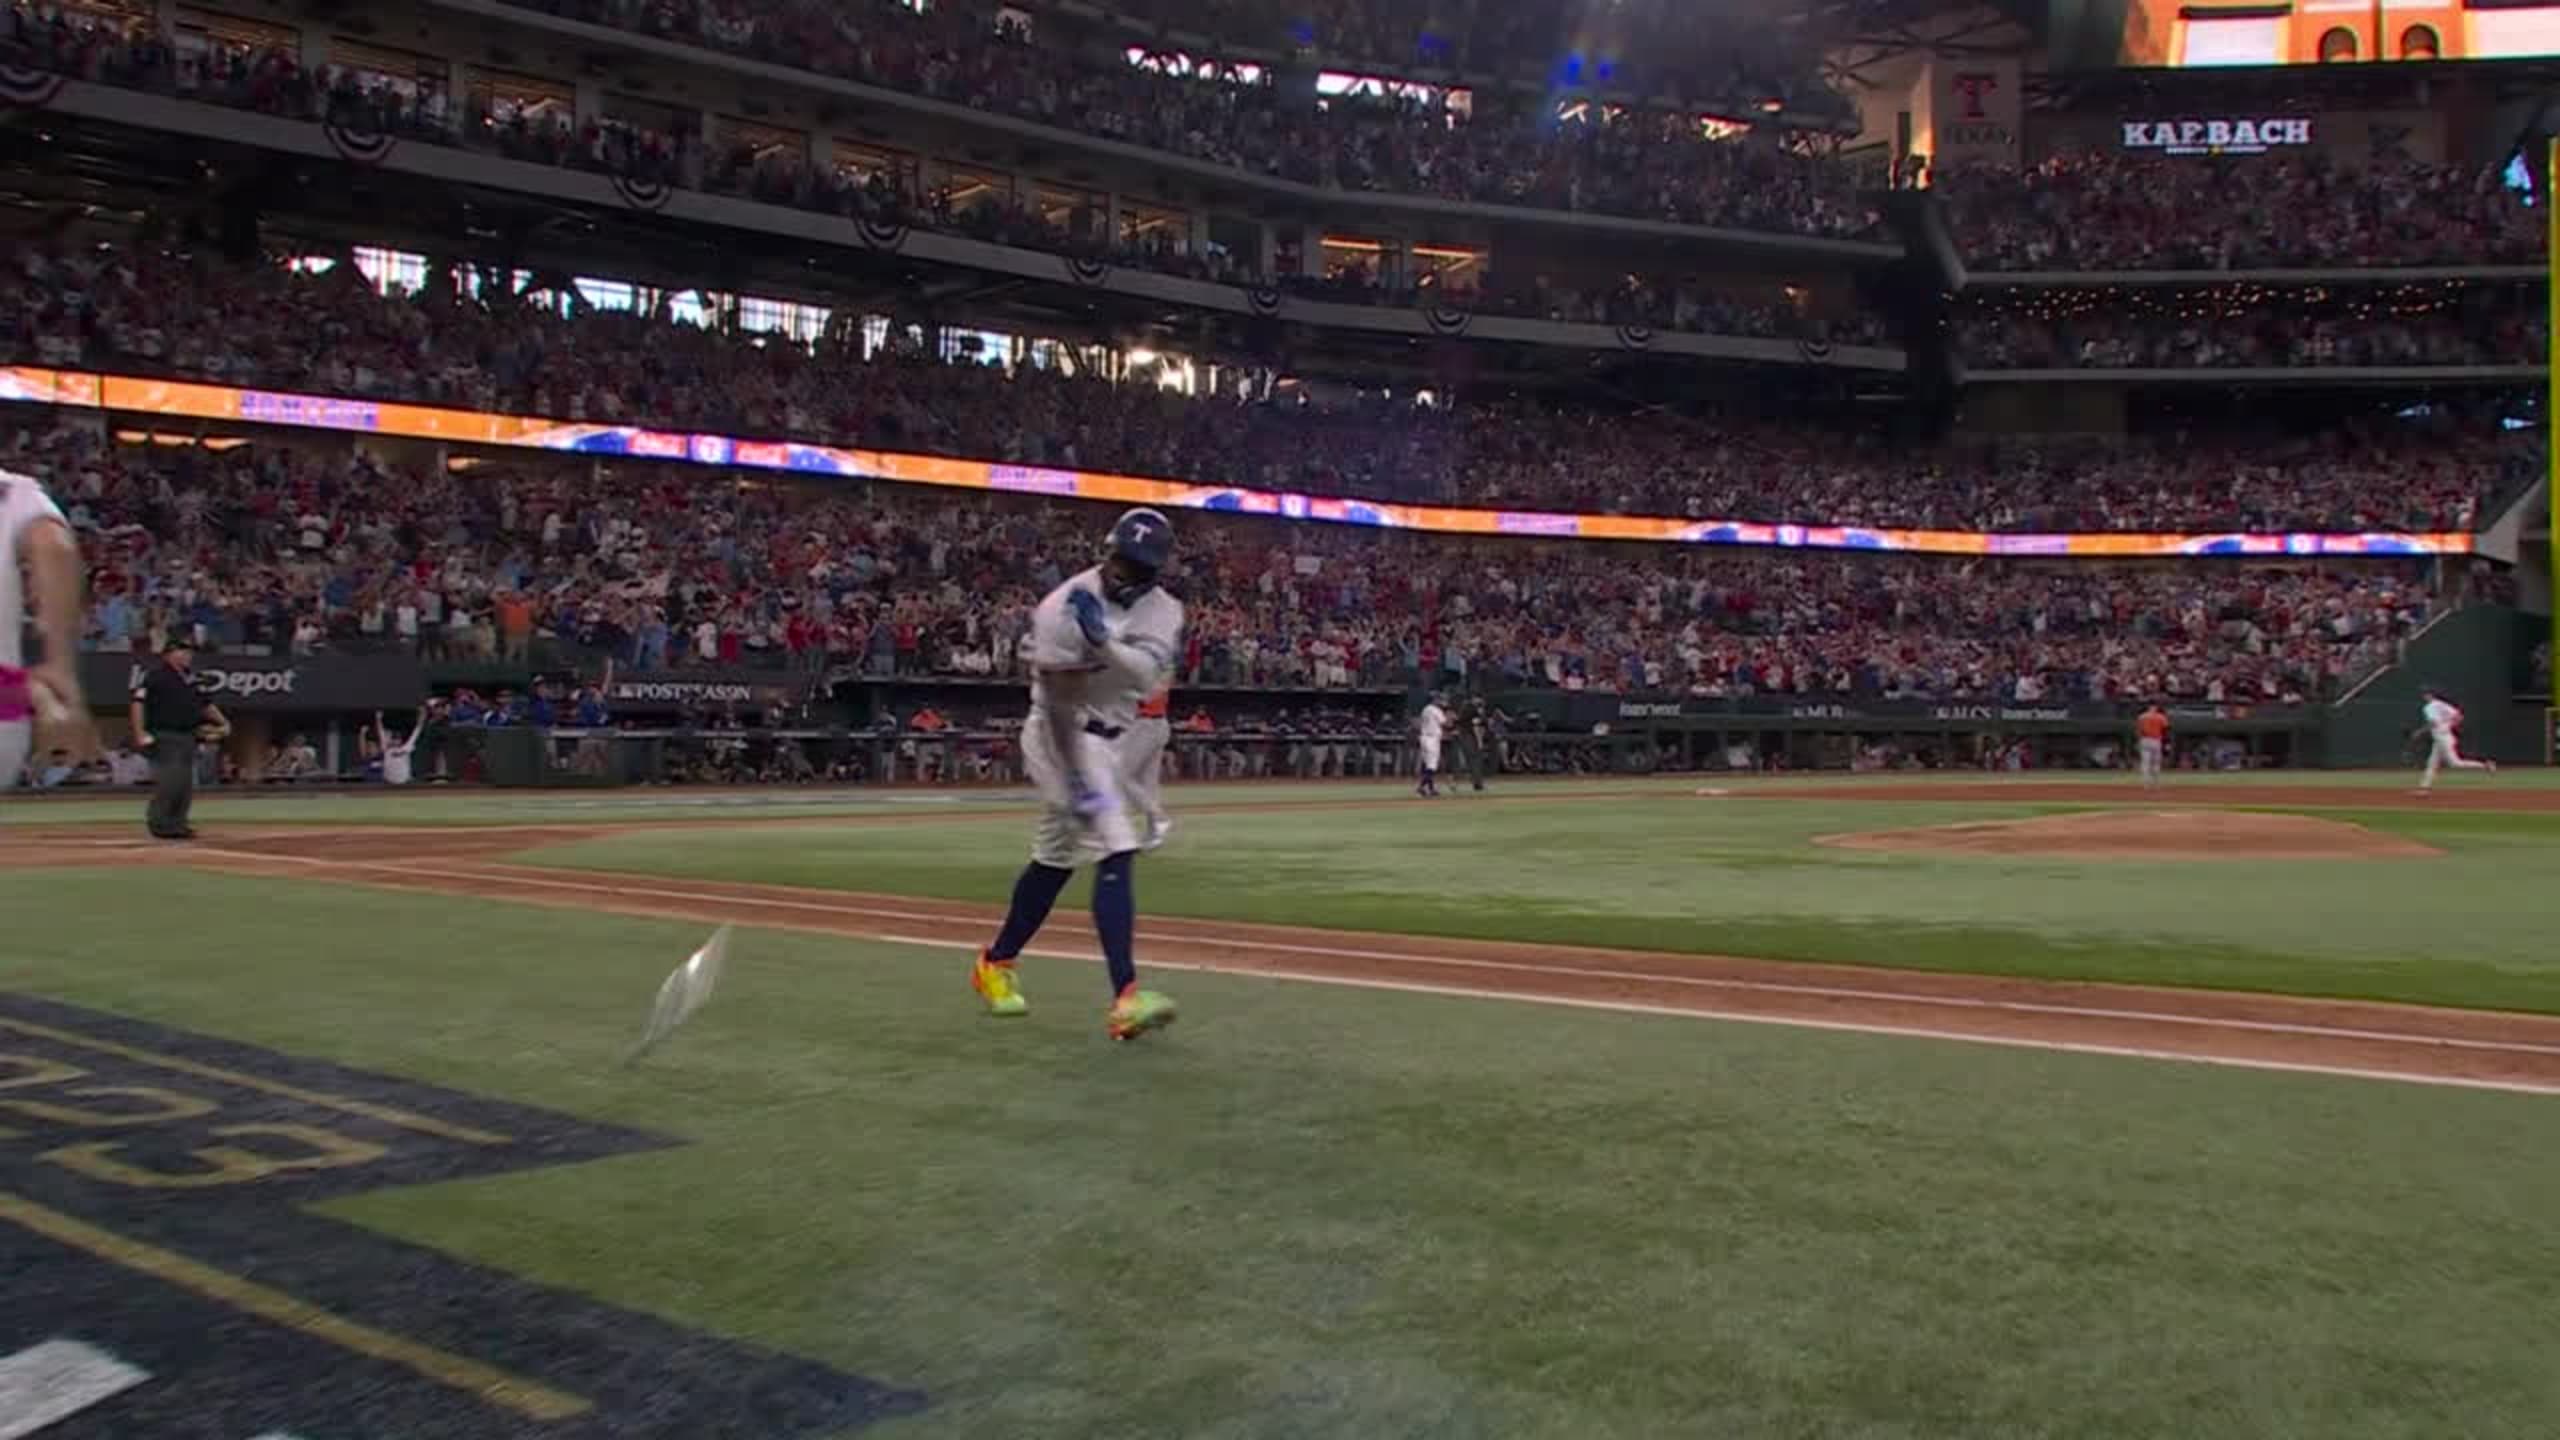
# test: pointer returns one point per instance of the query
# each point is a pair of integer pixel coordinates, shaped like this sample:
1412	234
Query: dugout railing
566	757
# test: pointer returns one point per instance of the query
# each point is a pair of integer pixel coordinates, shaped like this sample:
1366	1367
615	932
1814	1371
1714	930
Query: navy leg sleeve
1115	917
1033	894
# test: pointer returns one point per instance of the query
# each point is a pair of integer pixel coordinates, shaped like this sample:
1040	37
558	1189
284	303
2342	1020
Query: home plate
1715	792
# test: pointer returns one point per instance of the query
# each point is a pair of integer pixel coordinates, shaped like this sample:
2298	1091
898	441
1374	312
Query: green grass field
1320	1212
457	806
1742	876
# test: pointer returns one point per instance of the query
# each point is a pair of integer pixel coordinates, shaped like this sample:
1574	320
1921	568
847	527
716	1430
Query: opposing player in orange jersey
2151	742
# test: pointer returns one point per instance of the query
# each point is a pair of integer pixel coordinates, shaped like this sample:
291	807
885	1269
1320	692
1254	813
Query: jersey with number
1151	627
2443	717
23	506
1435	723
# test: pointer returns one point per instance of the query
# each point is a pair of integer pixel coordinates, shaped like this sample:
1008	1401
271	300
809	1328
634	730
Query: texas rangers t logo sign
1139	531
1973	85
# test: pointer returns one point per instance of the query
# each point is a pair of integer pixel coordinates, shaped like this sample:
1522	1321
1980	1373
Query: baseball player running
2151	741
32	531
2444	731
1430	729
1143	750
1098	645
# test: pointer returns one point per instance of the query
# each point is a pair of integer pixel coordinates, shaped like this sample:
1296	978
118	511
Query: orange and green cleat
1138	1011
996	984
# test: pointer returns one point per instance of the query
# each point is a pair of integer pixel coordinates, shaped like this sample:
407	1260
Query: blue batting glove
1087	608
1088	803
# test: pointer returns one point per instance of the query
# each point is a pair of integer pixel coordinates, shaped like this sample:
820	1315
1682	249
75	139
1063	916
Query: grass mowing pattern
1314	1213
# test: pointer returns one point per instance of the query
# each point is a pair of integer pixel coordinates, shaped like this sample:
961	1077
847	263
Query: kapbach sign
2215	137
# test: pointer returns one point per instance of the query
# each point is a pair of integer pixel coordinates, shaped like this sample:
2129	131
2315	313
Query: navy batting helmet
1144	538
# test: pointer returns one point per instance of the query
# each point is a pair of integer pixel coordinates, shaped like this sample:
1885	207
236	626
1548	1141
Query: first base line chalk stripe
343	1104
1793	1022
487	1382
1172	927
623	899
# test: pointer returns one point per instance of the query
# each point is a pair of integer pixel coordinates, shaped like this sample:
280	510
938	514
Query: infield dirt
2147	835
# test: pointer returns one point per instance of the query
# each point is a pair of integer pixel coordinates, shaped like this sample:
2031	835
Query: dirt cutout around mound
2147	835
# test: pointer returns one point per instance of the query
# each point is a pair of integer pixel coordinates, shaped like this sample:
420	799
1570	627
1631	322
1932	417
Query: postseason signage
673	692
2216	137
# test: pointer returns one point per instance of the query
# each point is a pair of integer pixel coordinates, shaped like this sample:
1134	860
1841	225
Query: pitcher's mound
2148	835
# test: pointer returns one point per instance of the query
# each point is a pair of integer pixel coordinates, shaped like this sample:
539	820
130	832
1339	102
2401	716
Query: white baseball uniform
23	506
1142	756
2444	725
1095	692
1434	725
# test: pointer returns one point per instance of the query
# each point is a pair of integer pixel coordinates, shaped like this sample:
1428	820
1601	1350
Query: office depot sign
2216	137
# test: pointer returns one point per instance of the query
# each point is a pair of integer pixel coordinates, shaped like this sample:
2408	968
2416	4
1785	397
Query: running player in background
34	534
2151	742
1143	749
2444	733
1431	728
1099	644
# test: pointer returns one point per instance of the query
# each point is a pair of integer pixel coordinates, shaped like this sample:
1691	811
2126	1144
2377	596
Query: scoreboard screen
2183	34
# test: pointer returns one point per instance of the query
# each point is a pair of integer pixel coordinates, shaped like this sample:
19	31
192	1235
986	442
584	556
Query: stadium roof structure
1859	37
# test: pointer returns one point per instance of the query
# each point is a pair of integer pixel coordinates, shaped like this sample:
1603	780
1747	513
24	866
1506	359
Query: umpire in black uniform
1483	735
168	713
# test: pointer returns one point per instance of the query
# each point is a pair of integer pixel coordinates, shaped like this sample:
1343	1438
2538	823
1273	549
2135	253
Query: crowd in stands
2091	211
2478	325
1650	47
142	308
2083	211
1653	166
303	549
1664	302
275	82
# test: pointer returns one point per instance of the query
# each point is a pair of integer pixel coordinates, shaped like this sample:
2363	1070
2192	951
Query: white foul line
1854	1027
514	876
1701	982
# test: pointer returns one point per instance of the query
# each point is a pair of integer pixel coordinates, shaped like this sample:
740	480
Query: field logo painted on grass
154	1207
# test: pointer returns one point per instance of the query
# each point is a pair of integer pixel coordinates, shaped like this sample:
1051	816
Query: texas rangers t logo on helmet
1143	537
